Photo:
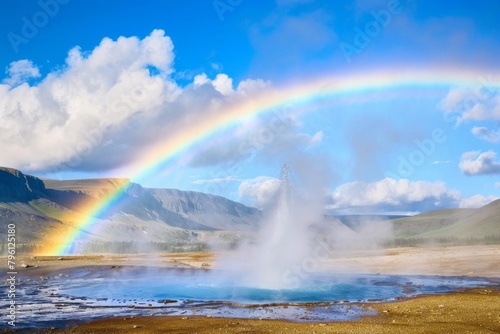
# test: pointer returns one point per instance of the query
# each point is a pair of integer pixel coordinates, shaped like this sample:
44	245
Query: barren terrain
470	311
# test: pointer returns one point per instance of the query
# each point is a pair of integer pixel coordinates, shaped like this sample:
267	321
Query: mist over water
285	237
295	238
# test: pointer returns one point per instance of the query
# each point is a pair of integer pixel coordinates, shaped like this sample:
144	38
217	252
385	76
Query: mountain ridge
17	185
45	206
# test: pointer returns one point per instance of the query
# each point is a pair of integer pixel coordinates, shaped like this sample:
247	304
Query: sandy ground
472	311
40	265
479	261
475	311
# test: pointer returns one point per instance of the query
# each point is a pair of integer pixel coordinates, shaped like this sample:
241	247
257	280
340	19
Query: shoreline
477	308
473	311
470	261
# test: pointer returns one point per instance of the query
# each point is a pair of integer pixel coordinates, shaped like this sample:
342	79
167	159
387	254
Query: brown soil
472	311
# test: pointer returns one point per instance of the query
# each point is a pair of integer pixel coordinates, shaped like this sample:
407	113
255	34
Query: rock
167	301
14	185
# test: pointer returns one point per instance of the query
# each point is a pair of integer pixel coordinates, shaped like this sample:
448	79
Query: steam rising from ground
285	236
295	236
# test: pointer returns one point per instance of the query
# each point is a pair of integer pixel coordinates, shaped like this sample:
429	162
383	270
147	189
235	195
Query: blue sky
406	150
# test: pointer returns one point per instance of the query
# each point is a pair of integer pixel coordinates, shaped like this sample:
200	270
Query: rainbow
165	153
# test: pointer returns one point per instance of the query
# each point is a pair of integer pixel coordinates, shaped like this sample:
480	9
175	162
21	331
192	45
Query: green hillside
49	212
452	224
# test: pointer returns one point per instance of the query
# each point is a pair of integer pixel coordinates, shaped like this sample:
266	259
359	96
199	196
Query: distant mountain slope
43	208
186	209
458	223
31	224
90	187
137	201
40	207
216	212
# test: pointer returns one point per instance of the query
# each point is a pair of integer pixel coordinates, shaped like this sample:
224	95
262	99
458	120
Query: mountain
42	208
15	186
452	223
48	212
214	212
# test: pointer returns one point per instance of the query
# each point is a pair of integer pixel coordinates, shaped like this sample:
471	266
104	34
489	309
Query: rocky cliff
18	187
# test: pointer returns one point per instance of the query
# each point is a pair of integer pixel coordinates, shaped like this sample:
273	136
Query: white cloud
217	180
249	86
454	99
216	66
223	84
317	138
64	117
476	201
106	106
384	196
477	163
201	79
441	162
394	195
480	103
262	191
497	185
484	133
20	71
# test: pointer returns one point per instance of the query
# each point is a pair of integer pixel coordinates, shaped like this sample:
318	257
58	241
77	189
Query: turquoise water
210	286
78	295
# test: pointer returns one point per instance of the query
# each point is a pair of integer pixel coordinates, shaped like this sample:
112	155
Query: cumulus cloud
479	163
20	71
484	133
476	201
481	103
384	196
392	195
261	191
223	84
105	106
65	115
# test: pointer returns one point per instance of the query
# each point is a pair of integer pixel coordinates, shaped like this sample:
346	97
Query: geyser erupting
285	238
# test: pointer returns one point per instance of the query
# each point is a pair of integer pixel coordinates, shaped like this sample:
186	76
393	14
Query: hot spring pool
81	296
205	286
